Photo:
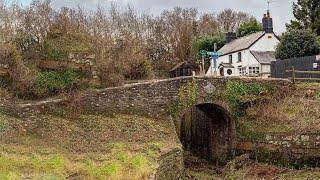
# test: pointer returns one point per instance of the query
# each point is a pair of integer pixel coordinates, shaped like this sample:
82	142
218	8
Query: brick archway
208	131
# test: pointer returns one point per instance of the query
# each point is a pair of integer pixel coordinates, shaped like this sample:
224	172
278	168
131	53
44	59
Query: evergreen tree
307	15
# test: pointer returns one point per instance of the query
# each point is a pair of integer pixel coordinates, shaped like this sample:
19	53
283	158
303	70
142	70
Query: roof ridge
241	43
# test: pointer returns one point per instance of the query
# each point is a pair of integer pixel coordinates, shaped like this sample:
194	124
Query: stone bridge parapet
152	98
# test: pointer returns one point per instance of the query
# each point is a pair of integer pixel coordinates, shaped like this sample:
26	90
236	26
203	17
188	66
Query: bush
297	43
53	51
237	93
53	82
20	78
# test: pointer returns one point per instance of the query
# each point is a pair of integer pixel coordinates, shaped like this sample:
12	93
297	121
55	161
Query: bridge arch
208	131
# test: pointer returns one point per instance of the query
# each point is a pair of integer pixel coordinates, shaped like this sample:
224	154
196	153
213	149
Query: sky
281	10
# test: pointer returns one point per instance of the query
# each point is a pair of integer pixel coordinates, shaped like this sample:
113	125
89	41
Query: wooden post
293	75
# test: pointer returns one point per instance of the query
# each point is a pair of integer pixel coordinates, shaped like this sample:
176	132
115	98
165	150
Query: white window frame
254	70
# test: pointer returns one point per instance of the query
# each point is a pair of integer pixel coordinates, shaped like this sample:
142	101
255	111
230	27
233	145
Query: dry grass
244	168
89	147
298	111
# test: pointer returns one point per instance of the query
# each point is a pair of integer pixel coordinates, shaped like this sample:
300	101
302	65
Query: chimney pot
267	23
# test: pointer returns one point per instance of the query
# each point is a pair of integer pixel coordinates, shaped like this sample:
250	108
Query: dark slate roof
184	65
264	57
241	43
226	65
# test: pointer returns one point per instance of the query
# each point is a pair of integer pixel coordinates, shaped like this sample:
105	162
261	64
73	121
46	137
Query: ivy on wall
187	97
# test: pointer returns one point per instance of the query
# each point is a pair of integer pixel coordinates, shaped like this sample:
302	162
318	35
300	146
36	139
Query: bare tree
230	20
208	24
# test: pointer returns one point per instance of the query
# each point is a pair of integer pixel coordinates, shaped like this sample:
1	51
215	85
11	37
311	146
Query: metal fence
302	68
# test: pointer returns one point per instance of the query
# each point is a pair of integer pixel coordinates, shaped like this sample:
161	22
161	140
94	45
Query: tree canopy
297	43
207	43
250	27
307	15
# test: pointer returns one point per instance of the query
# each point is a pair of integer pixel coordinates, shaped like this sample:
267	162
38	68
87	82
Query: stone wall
151	98
170	165
295	146
155	97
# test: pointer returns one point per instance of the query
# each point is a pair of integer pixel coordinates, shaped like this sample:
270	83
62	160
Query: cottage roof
184	64
264	57
241	43
226	65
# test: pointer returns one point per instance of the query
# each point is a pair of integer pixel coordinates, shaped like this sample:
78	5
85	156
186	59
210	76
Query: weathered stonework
151	99
305	145
170	165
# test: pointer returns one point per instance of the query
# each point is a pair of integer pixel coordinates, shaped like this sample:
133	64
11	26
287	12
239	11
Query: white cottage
247	56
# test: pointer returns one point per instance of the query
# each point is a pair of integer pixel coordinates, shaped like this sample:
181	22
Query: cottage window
240	70
239	56
254	70
230	58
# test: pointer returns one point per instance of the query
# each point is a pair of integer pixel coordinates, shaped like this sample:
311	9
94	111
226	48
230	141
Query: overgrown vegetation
187	97
53	82
293	110
239	95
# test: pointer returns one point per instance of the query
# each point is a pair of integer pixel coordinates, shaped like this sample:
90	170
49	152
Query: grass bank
87	147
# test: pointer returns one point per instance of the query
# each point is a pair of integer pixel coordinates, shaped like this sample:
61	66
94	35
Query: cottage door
221	71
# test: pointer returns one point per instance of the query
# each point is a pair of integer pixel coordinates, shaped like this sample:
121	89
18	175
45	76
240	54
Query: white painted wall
247	60
266	43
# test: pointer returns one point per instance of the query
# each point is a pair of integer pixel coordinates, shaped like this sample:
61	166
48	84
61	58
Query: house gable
268	42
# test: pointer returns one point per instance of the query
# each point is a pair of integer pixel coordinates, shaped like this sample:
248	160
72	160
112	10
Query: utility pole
215	59
203	54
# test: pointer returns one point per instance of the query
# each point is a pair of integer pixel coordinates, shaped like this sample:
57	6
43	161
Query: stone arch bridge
203	125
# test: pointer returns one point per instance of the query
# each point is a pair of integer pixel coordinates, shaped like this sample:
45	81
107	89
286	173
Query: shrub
52	82
53	51
20	78
297	43
237	93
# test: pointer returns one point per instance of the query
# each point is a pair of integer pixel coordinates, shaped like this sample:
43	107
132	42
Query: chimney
230	36
267	23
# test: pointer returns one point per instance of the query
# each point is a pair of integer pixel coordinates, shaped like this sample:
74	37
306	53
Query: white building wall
247	60
266	69
268	42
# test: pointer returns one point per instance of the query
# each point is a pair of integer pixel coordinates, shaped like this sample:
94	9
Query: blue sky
281	9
